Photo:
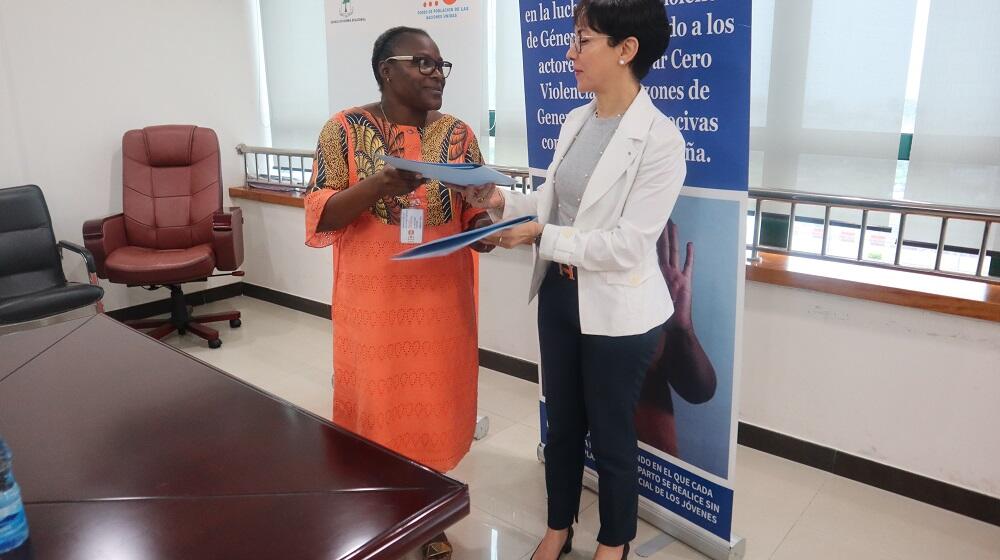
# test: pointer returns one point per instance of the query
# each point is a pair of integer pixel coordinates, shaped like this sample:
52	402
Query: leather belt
567	271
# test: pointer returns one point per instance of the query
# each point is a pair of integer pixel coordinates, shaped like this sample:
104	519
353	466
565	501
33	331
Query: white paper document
458	174
452	243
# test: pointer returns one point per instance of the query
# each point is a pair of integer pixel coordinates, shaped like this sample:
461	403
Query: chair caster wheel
235	323
213	344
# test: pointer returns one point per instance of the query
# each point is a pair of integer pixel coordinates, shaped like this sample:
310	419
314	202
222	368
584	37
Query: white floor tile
517	404
497	425
481	536
770	496
893	526
807	543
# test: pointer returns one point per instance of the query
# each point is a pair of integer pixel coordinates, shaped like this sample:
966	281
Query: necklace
406	200
390	121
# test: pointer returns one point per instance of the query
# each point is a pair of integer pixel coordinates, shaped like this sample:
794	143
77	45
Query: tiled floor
786	511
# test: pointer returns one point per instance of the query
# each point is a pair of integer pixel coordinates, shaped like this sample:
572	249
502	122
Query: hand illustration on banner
681	362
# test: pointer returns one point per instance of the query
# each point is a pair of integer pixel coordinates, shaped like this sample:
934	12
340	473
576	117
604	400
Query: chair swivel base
182	321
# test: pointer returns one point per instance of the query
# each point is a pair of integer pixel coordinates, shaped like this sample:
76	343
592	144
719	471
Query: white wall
277	256
74	76
910	388
295	56
12	168
507	323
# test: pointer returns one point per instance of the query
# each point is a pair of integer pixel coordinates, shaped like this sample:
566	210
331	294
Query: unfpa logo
434	10
346	8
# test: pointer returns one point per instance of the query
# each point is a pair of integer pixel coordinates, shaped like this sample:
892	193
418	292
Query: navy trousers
591	383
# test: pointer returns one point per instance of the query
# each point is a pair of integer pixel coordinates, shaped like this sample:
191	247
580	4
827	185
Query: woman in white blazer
616	174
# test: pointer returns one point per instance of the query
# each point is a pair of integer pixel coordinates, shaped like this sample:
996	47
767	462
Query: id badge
411	227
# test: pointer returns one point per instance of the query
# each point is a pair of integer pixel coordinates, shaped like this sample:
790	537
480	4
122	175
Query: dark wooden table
127	448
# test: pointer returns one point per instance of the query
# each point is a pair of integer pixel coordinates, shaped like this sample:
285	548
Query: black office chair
32	283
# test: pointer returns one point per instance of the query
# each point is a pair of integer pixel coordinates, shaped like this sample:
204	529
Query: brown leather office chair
173	229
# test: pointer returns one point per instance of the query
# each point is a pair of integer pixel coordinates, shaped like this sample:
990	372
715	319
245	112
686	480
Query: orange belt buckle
568	271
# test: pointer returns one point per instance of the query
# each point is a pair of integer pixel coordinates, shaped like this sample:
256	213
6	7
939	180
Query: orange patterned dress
405	335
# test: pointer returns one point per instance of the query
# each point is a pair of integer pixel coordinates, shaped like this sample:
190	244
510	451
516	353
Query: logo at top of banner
346	11
441	9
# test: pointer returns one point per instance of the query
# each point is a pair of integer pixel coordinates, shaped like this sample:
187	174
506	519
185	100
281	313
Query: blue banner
702	83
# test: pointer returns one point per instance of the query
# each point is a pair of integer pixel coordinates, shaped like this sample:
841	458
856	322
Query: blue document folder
457	174
452	243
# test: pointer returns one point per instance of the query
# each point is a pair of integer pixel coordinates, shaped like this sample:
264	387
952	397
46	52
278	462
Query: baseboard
287	300
162	306
923	489
516	367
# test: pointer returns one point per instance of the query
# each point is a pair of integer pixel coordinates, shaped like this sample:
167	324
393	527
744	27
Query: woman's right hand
396	182
483	196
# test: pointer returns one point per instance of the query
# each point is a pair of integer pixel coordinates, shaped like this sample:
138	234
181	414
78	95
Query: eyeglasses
426	65
578	41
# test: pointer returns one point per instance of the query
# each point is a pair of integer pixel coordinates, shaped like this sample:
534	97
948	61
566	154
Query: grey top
578	164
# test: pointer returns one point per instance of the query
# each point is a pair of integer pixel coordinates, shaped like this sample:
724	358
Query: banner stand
654	545
670	524
673	525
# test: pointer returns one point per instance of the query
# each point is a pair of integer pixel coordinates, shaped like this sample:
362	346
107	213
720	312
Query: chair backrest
172	183
29	258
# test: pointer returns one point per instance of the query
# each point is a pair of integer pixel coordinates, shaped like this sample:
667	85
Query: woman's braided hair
385	45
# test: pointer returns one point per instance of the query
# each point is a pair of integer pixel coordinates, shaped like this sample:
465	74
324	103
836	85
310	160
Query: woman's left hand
523	234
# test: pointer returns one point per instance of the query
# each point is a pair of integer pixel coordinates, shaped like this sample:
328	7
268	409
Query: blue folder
452	243
457	174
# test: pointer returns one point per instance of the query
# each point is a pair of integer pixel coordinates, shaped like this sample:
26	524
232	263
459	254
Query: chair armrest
227	238
102	237
87	256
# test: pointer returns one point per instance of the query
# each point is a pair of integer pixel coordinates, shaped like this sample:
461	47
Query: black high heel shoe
625	552
567	546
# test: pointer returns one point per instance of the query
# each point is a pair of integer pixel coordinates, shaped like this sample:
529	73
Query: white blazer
623	211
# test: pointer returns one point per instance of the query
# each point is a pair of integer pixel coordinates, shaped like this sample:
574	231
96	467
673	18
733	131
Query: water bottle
13	523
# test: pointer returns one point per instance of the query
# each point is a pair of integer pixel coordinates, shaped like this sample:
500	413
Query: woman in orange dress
405	334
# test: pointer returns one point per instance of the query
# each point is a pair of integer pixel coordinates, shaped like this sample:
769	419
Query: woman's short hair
646	20
385	46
